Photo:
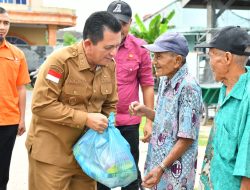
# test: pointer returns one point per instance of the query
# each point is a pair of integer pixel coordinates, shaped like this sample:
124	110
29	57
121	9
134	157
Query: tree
157	26
68	39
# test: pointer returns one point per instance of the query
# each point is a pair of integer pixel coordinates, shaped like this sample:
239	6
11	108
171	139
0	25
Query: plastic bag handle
111	120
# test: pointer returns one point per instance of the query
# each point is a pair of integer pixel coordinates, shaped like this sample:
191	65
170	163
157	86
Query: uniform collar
82	60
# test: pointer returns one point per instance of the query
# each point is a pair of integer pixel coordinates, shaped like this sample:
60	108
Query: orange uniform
13	73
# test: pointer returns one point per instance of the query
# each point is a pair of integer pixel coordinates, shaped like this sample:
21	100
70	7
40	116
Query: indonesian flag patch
54	76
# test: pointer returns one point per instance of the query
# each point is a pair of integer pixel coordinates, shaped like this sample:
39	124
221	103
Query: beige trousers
43	176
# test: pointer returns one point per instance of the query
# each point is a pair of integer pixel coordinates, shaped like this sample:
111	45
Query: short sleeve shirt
231	143
13	73
178	110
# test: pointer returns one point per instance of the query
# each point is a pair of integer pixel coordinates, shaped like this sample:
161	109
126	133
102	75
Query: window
20	1
14	1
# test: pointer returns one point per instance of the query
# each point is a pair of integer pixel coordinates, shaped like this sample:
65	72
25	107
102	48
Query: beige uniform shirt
60	107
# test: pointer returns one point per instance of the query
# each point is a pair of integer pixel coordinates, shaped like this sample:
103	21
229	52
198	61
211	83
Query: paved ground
19	165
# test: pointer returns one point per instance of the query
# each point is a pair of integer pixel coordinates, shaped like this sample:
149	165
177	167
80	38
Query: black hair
2	10
97	23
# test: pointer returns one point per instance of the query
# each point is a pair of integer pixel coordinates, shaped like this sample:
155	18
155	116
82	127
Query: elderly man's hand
135	108
152	178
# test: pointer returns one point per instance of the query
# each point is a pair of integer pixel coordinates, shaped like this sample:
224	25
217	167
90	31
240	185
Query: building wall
36	24
33	36
36	6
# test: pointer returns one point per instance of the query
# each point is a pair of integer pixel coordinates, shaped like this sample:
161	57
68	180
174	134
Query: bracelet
162	166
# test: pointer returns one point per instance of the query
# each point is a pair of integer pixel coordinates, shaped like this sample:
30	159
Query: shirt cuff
79	119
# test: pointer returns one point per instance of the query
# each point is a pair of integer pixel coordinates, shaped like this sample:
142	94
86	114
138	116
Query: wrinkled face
104	51
166	64
218	64
4	25
125	29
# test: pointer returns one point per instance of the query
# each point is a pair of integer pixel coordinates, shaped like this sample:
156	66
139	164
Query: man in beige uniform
75	90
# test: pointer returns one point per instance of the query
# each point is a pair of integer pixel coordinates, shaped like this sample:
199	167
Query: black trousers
7	141
131	134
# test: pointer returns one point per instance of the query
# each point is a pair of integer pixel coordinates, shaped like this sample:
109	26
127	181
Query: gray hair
241	59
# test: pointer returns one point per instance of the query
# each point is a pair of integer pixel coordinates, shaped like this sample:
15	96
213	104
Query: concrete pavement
19	164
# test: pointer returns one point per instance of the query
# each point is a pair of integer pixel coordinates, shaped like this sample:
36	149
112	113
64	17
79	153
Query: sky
85	7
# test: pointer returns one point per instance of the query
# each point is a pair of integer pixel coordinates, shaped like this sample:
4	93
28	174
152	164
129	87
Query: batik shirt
178	110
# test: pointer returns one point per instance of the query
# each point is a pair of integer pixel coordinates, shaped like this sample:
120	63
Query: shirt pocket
73	95
227	144
106	89
127	72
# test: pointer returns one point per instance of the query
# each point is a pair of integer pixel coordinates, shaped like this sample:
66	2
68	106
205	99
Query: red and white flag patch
54	76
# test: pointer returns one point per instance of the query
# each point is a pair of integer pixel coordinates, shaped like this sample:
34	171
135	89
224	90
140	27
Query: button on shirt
133	67
231	143
178	110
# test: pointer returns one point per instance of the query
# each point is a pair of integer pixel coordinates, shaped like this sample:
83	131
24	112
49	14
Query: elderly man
230	165
172	152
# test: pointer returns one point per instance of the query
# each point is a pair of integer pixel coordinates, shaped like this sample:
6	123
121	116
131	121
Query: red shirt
133	67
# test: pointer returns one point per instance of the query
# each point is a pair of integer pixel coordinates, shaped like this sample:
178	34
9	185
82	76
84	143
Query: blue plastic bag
106	157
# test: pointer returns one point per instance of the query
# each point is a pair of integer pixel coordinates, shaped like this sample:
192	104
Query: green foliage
68	39
141	127
157	26
203	139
